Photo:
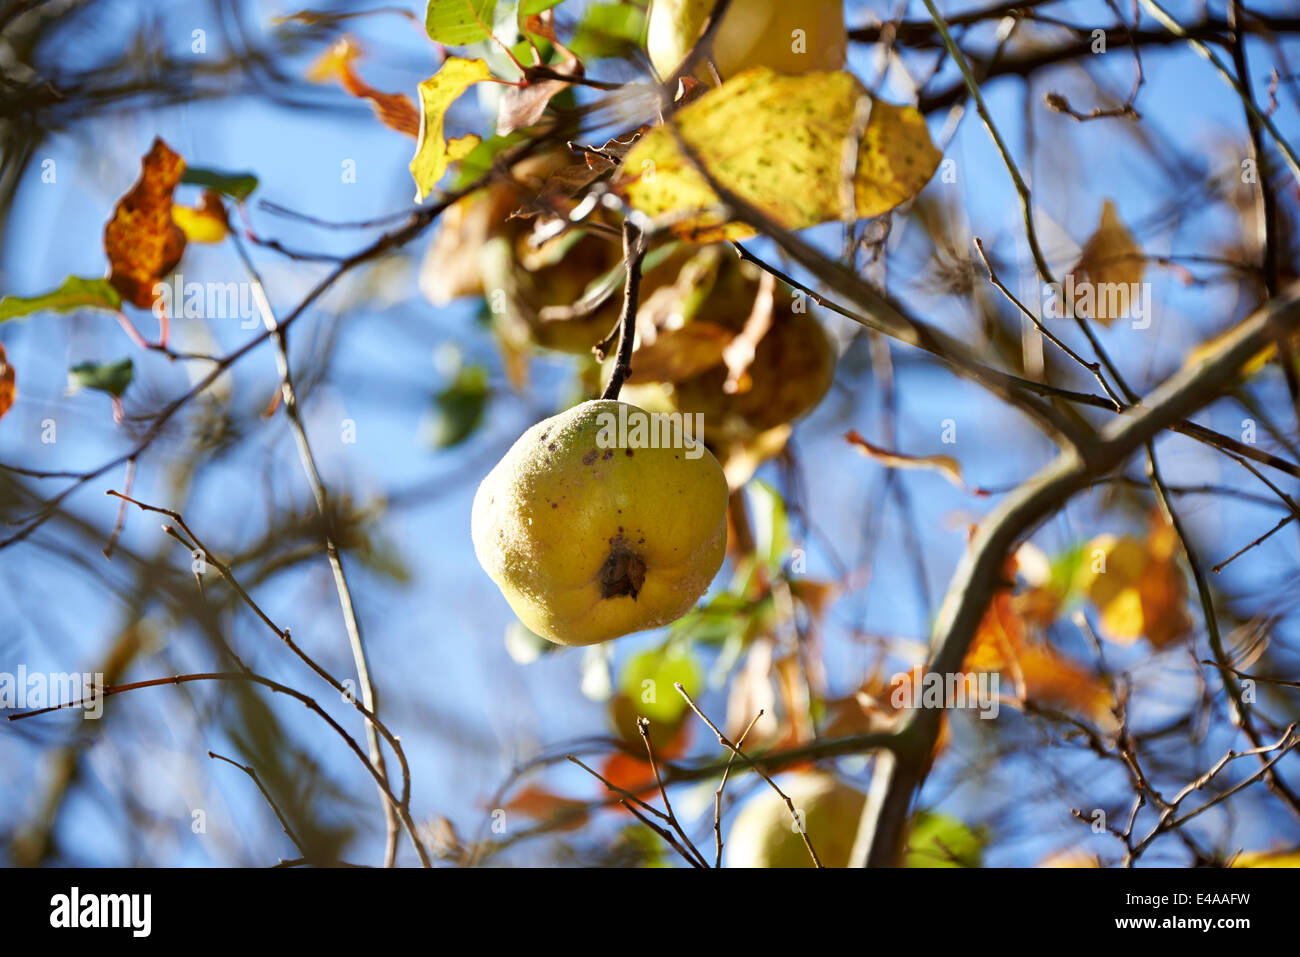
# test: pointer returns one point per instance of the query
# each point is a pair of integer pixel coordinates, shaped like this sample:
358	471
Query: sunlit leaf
142	240
771	523
941	840
75	293
433	153
1289	858
1039	672
459	22
395	110
1138	586
778	142
205	223
608	30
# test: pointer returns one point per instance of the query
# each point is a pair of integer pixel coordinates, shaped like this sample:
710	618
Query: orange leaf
1138	586
631	774
8	383
395	110
142	241
538	803
1040	673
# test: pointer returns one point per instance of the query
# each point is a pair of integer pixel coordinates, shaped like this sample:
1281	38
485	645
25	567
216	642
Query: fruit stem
633	253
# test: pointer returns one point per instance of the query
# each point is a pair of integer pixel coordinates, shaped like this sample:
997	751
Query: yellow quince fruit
600	522
786	36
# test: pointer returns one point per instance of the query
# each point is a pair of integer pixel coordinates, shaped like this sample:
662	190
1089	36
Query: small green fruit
765	834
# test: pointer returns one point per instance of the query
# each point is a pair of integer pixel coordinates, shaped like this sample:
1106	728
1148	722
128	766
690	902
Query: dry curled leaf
395	110
142	241
522	106
946	465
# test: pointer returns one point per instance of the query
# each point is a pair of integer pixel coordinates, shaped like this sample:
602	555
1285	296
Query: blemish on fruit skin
628	452
609	454
589	457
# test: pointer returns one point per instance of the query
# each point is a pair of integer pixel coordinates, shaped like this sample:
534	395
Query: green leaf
75	293
433	153
238	186
110	377
648	680
941	840
1066	569
609	30
528	7
459	22
771	524
460	407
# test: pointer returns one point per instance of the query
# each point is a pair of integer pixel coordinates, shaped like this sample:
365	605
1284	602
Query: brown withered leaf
946	465
142	241
395	110
1111	259
8	383
522	106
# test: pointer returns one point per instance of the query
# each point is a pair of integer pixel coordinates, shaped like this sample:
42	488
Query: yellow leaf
779	142
395	110
205	224
1111	258
1268	859
946	465
1138	587
432	152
